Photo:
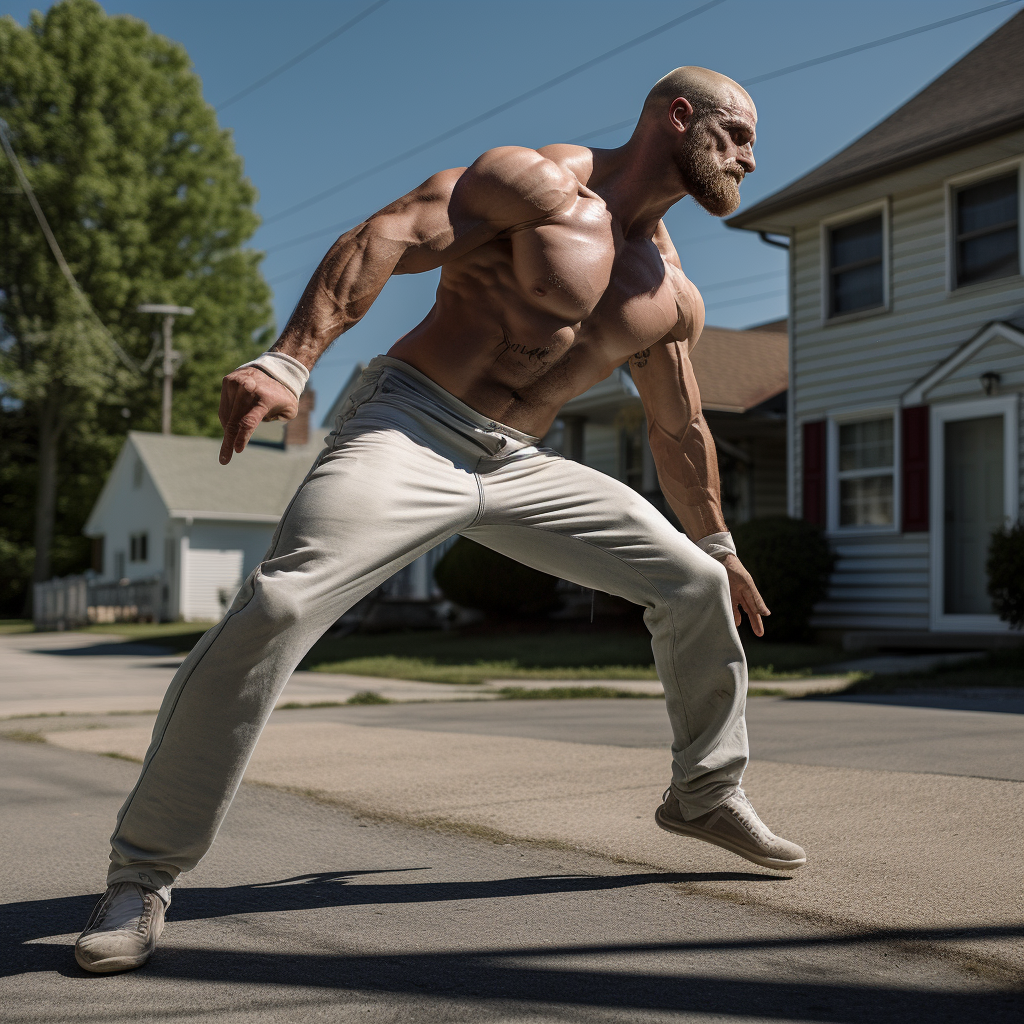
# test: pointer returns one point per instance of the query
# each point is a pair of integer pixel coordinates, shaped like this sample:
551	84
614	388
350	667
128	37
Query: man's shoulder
515	184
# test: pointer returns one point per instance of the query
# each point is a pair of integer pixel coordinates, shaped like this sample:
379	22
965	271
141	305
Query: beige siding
769	476
878	584
882	581
601	448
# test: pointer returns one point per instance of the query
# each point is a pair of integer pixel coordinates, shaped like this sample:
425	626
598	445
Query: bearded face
714	187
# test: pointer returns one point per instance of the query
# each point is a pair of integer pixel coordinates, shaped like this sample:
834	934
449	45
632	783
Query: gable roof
255	486
996	329
979	97
735	371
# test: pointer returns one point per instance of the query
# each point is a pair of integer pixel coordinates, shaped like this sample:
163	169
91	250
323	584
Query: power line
739	280
294	272
345	225
748	298
790	69
493	112
288	64
629	122
335	229
44	226
876	42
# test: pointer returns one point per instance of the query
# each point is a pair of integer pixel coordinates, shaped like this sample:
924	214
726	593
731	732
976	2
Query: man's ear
679	113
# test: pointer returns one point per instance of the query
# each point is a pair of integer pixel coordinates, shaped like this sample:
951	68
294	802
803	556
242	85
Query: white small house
170	510
907	350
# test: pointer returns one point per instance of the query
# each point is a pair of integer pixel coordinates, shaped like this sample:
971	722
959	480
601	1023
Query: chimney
296	431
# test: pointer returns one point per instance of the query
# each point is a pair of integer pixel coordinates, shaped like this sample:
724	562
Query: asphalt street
306	912
496	860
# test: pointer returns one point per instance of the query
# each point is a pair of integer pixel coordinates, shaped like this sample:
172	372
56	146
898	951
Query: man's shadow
22	923
491	978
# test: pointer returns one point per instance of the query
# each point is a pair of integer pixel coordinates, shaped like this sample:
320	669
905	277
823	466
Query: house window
855	266
139	544
987	231
866	473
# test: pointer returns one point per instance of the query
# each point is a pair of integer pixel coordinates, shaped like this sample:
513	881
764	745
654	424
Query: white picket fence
74	601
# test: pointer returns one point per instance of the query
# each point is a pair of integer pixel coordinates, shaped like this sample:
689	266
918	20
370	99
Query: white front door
974	493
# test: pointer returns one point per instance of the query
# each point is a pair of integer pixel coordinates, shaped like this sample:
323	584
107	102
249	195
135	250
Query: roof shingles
257	484
979	97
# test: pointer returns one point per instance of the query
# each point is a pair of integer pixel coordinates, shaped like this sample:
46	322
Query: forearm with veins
688	472
344	286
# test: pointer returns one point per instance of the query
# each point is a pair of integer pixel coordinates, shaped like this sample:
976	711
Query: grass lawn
180	637
473	656
597	652
8	626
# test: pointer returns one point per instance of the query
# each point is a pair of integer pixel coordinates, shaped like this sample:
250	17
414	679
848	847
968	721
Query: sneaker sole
681	829
112	964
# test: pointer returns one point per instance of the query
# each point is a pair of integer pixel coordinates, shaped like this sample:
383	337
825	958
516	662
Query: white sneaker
735	826
122	931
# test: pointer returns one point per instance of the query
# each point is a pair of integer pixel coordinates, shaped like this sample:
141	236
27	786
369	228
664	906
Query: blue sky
415	68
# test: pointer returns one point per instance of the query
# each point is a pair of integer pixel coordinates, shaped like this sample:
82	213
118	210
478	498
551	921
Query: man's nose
745	158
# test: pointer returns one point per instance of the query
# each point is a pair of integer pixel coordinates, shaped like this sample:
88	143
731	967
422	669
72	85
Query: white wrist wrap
718	545
284	369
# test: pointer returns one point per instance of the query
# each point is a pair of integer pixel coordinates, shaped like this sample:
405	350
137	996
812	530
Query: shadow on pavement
527	975
1009	702
123	648
35	919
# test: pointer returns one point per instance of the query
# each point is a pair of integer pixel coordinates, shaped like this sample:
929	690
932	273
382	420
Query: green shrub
1006	573
477	577
790	562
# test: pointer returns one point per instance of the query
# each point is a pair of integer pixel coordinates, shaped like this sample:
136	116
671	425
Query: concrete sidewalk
886	849
89	674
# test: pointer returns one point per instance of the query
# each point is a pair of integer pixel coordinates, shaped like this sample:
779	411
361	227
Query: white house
170	510
907	348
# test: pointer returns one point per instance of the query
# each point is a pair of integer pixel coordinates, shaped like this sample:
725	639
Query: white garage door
212	577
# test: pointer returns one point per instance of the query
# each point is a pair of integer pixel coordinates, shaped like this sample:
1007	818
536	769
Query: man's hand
247	397
744	595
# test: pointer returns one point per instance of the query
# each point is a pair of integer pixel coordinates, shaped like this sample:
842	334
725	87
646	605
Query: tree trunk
51	426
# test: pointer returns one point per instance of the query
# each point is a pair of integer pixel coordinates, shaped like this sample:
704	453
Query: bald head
705	124
706	91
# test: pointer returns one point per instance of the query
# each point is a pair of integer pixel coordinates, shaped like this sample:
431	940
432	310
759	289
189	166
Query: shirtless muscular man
555	269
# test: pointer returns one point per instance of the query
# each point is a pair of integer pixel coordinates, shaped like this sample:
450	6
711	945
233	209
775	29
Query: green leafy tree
148	202
1005	567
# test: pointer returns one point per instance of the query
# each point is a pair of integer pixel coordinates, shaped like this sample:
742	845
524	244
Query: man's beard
716	190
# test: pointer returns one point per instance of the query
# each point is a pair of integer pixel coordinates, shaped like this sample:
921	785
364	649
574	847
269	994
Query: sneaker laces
126	909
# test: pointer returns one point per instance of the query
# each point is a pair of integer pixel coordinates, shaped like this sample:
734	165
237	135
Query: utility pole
170	356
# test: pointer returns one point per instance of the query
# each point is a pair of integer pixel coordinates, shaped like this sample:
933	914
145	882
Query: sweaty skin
556	268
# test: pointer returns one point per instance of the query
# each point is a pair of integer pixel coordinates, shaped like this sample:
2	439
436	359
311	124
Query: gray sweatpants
407	466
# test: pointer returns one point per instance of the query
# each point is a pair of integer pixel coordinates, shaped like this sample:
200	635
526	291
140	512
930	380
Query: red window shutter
915	469
814	473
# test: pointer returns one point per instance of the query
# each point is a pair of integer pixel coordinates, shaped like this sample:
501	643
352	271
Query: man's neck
639	183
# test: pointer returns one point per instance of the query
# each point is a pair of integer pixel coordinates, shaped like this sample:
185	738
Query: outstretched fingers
744	596
754	606
241	411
